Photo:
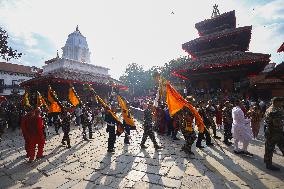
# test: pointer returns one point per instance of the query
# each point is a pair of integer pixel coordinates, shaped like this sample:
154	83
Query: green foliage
172	66
141	82
7	52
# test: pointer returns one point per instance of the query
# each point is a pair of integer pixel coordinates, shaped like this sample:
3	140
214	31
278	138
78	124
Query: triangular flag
52	98
40	100
25	101
73	97
176	102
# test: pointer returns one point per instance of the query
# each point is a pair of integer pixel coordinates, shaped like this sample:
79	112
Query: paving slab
88	165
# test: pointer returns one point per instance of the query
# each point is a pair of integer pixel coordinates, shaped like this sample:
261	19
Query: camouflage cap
277	99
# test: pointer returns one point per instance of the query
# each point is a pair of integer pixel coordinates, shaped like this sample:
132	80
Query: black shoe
210	144
63	143
217	137
238	152
85	139
247	153
127	143
69	146
91	138
200	146
272	167
158	147
227	143
143	146
111	150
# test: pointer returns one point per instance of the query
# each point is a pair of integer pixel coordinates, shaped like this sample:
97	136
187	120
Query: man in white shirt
241	130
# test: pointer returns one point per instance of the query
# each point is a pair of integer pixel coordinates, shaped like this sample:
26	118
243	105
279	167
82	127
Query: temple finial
215	12
57	55
77	28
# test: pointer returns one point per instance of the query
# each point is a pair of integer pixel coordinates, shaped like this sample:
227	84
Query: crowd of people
239	120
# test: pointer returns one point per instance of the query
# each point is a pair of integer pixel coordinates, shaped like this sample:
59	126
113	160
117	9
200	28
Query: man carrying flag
177	103
111	119
54	108
111	123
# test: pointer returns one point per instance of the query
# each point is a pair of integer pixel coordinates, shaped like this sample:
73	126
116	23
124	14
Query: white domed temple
73	68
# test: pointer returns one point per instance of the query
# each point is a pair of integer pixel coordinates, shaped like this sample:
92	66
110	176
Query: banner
41	101
176	102
74	99
127	117
52	98
25	101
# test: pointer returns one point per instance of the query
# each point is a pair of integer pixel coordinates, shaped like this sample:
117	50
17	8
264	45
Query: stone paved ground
87	165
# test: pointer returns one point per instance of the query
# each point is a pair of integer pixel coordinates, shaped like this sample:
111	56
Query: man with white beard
241	130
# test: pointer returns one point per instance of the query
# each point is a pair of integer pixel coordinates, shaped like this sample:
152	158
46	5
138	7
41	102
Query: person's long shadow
235	169
112	170
152	171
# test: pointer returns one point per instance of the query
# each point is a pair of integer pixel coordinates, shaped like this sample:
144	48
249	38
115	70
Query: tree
7	52
133	78
141	82
172	66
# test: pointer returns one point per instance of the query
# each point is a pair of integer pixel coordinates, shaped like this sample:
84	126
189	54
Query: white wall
9	77
74	66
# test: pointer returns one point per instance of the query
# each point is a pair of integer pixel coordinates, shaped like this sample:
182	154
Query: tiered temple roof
229	39
221	48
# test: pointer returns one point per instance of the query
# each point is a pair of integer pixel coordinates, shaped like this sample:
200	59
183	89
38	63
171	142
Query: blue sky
120	32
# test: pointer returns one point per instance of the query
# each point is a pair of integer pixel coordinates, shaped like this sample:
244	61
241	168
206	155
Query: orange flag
40	100
54	107
125	113
176	102
25	101
73	97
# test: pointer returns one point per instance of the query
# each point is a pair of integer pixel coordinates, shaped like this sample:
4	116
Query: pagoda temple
73	68
219	57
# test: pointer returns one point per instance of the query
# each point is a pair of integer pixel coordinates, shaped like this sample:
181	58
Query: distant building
11	75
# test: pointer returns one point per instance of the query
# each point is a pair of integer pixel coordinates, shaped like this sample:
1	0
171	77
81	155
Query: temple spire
77	28
57	55
215	12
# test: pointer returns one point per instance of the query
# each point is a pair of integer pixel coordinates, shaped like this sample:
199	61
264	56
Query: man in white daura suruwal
241	130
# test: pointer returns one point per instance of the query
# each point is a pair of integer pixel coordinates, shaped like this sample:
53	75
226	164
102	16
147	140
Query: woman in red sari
35	134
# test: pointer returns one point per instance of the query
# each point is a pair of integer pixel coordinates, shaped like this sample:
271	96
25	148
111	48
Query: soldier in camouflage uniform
203	113
227	121
186	120
65	123
86	122
148	127
210	110
274	133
